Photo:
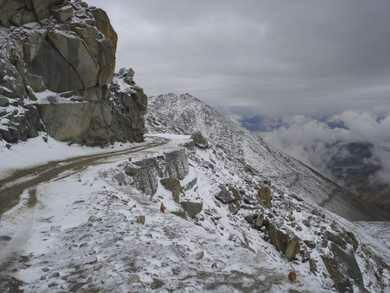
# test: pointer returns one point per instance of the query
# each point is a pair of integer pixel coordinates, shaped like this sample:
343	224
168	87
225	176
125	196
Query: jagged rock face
145	173
66	50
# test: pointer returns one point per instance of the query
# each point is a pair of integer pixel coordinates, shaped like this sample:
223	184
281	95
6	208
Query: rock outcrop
145	173
324	244
199	140
57	66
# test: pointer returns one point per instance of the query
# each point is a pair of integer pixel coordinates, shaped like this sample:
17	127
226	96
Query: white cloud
309	139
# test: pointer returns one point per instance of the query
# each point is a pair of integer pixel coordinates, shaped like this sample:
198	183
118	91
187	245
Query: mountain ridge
186	114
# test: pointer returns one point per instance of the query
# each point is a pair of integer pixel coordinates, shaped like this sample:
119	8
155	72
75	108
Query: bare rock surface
57	65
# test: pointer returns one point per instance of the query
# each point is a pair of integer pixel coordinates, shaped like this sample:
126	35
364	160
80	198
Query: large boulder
283	241
130	105
174	186
228	194
68	121
144	175
192	209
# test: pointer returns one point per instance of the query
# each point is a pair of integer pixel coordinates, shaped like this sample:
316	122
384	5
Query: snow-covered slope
185	114
92	230
187	216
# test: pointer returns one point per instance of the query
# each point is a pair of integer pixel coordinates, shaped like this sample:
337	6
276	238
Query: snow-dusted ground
81	229
80	232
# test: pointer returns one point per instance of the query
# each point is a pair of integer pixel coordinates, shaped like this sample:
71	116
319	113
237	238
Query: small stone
191	184
224	196
313	266
306	222
310	244
228	195
199	255
234	207
55	275
156	284
51	285
52	99
90	260
259	221
180	213
140	220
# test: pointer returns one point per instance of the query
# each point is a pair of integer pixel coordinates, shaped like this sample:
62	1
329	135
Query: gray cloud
269	56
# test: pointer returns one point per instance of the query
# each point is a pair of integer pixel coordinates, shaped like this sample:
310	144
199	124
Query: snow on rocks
315	242
185	114
93	230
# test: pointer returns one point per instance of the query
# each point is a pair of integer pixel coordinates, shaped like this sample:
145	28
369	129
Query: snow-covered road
13	186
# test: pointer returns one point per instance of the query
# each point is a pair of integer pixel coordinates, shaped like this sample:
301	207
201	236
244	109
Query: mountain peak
185	114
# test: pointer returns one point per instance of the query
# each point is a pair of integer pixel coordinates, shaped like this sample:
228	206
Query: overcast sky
275	57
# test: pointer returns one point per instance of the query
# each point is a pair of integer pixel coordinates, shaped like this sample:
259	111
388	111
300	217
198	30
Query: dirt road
13	186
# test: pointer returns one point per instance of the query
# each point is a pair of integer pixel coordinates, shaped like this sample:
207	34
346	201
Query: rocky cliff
57	62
